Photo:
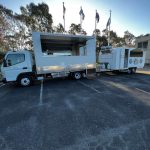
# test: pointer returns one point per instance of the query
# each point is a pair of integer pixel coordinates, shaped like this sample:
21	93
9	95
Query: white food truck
54	55
120	59
61	55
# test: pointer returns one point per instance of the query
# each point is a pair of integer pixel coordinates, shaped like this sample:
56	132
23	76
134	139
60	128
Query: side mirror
4	63
8	62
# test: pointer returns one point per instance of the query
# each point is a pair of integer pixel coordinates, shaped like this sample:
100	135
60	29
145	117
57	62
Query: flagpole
109	30
95	23
64	23
81	21
81	18
64	15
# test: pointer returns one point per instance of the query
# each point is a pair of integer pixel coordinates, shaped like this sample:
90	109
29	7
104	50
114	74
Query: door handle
24	68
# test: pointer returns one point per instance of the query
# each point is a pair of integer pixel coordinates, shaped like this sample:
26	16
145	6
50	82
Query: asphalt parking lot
107	113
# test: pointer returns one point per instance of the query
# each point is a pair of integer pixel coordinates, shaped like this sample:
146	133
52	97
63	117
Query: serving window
63	47
136	53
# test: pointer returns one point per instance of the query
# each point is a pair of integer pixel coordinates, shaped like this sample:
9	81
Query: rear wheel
77	75
25	80
130	71
133	70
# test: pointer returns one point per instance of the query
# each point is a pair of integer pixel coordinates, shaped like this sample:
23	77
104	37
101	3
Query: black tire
116	71
77	75
133	70
130	70
25	80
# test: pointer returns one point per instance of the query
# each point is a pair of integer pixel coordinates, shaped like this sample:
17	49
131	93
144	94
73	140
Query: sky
131	15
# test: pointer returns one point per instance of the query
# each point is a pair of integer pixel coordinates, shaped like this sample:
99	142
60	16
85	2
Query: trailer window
107	51
13	59
136	53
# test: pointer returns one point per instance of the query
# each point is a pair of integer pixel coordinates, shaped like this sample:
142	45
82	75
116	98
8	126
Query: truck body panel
63	53
54	55
121	58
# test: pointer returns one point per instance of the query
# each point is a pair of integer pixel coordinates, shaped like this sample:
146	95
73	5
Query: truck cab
17	64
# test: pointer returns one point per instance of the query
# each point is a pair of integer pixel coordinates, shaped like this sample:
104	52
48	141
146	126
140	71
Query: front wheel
25	80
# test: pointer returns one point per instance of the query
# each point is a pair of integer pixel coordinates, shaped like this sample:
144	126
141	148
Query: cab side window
13	59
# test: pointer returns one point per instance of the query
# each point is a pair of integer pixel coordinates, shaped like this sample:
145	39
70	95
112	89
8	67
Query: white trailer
54	55
120	59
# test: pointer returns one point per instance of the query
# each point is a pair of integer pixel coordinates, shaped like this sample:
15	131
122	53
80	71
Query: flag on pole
64	11
97	16
81	13
108	22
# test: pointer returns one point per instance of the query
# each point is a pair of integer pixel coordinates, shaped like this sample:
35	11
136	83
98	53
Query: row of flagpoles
82	16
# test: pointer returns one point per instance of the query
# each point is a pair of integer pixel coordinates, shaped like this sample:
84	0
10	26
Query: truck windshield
13	59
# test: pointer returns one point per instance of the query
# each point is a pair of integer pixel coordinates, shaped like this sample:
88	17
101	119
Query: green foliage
101	41
37	17
97	32
76	29
129	38
60	28
4	26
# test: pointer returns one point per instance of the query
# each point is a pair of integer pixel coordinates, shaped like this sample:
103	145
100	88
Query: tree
129	38
59	28
37	17
102	41
33	18
97	32
76	29
115	40
5	26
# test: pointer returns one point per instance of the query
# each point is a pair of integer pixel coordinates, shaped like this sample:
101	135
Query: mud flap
91	73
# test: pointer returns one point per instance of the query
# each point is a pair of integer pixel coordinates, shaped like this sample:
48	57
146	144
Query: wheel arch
31	74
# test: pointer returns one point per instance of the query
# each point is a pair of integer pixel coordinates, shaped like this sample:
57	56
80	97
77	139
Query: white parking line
2	85
92	88
142	91
41	93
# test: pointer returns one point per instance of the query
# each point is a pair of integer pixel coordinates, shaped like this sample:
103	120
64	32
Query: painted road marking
41	93
123	87
142	91
92	88
2	85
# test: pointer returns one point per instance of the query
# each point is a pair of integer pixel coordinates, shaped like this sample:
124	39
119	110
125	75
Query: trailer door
126	58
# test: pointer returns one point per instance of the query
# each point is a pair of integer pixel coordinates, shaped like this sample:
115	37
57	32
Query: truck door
126	58
15	64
